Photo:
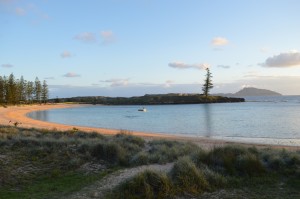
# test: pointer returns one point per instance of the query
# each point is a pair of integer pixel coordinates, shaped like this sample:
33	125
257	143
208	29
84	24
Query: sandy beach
12	114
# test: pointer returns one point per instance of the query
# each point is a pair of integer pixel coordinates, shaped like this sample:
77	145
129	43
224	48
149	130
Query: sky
137	47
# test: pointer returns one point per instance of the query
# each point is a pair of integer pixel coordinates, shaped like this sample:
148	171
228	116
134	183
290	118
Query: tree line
20	91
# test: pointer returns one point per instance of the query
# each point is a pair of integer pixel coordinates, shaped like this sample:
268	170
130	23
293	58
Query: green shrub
164	151
146	185
282	161
187	178
233	160
127	138
214	179
111	152
141	158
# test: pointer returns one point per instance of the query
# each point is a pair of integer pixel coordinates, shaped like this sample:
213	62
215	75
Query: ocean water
270	120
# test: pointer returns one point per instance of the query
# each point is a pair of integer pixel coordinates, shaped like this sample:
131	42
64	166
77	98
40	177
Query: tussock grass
29	157
145	185
232	160
187	178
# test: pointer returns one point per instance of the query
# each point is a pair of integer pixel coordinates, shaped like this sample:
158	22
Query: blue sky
134	47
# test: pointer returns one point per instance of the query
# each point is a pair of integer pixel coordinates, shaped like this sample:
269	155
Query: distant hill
250	91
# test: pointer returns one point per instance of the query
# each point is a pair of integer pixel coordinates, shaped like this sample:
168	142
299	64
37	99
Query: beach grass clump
164	151
232	160
146	185
119	149
286	162
214	179
127	138
109	151
141	158
187	178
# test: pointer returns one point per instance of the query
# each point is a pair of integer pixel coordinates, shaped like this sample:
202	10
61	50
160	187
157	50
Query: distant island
251	91
155	99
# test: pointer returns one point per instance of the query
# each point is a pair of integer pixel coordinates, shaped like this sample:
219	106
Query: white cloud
223	66
219	41
287	59
66	54
7	65
20	11
168	83
107	37
117	82
181	65
86	37
264	49
70	74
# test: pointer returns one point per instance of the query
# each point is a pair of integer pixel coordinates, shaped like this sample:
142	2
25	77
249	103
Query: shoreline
19	113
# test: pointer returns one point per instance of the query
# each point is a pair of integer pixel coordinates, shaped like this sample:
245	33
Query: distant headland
153	99
251	91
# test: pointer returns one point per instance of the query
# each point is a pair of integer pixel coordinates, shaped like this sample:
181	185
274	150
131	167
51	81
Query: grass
42	163
147	185
53	187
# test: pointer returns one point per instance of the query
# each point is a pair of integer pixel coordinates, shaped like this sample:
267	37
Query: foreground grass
50	164
53	164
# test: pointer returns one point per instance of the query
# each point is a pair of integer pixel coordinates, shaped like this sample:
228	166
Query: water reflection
207	116
40	115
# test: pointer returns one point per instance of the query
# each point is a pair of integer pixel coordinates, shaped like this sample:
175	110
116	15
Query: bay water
267	120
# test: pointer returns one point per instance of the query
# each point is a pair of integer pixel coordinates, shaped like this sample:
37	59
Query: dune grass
42	163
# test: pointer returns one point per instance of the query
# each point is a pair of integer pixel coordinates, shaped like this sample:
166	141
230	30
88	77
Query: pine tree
29	91
45	91
11	90
22	90
37	90
207	83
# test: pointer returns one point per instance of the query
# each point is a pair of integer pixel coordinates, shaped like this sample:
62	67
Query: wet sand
12	114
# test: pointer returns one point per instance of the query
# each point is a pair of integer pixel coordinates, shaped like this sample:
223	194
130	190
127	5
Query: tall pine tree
37	90
45	92
207	83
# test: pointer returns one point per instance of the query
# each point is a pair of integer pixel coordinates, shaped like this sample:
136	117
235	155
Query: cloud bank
117	82
288	59
7	65
181	65
107	37
70	74
87	37
66	54
219	41
223	66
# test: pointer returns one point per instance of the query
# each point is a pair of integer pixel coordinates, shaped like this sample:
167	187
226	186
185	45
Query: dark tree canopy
18	91
207	83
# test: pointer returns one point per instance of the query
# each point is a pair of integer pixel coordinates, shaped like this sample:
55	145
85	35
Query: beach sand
12	114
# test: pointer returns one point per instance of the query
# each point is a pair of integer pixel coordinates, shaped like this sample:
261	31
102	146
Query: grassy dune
42	163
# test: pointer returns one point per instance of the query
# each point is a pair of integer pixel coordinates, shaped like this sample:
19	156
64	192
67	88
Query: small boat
142	109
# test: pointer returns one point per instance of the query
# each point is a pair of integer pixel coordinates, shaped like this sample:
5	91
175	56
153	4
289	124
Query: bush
142	158
214	179
126	138
187	178
164	151
111	152
232	160
145	185
281	161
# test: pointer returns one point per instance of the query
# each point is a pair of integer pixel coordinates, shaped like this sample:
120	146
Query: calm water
274	120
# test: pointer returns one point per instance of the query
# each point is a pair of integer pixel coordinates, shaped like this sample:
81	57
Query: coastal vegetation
38	163
20	91
155	99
